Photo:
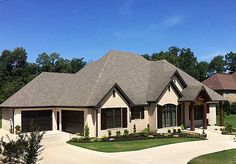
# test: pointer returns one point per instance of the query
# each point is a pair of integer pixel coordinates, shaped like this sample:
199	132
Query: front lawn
130	145
226	156
229	119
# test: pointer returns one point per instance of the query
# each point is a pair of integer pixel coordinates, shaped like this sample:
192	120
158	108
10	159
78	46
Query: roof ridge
98	78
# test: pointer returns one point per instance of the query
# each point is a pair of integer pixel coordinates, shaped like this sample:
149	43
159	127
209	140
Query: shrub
118	133
145	132
174	131
168	131
126	133
148	127
179	130
18	129
183	127
109	133
233	108
134	129
86	132
226	107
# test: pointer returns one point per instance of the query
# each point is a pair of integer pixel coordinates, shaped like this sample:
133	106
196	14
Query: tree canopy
185	59
15	71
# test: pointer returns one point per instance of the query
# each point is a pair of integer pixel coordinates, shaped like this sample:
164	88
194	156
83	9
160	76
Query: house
224	84
115	93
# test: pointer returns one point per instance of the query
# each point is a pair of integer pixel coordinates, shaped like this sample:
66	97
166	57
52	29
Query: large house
224	84
115	93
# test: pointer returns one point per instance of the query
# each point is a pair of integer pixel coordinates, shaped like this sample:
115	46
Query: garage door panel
43	119
73	121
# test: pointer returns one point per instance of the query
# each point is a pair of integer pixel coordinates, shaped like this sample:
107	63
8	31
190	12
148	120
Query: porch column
221	114
204	121
192	128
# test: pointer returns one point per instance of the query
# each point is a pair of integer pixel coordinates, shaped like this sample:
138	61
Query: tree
187	61
77	64
202	70
230	59
217	65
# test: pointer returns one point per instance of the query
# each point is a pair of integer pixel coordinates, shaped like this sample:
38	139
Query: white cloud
211	55
167	23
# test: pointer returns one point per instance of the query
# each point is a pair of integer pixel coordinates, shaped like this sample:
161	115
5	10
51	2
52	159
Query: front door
169	115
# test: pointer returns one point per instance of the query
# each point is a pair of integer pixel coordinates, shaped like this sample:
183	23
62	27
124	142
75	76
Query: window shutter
103	119
124	117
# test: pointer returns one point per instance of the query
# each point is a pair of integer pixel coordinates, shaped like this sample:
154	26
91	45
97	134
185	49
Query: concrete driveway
58	152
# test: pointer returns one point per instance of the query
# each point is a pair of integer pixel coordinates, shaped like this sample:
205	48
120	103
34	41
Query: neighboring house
116	92
224	84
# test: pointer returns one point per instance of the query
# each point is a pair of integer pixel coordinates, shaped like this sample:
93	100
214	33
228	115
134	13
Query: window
198	112
137	112
169	115
113	118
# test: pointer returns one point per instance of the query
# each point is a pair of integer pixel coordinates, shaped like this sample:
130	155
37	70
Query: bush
148	127
226	108
86	132
109	133
126	133
145	132
174	131
183	127
18	129
179	130
118	133
26	149
233	108
134	129
168	131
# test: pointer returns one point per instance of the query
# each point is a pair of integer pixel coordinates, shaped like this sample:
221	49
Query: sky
90	28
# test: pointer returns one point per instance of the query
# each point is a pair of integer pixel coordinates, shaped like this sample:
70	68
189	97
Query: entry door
72	121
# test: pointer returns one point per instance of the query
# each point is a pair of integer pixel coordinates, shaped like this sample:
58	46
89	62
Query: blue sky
90	28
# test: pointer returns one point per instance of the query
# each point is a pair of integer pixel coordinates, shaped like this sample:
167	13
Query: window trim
113	119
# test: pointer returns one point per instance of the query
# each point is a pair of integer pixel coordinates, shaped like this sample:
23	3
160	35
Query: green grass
230	119
130	145
222	157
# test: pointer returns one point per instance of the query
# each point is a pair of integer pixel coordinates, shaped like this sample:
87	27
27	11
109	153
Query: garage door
72	121
43	119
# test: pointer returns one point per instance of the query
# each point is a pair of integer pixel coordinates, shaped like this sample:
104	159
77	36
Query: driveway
57	151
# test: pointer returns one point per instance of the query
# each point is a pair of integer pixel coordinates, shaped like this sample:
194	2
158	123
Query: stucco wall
7	119
152	113
211	116
113	102
169	97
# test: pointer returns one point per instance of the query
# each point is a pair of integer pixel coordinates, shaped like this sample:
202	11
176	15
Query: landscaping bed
133	141
122	146
226	156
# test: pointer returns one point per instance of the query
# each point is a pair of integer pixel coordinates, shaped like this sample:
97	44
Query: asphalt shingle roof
140	79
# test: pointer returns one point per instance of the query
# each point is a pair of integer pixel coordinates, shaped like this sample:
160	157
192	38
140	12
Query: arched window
169	115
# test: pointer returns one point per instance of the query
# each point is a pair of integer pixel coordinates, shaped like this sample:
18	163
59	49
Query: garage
72	121
43	119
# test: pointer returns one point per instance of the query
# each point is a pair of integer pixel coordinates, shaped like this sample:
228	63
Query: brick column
204	121
221	114
192	128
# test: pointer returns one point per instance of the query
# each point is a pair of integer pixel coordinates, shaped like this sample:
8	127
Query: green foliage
15	71
86	132
134	129
148	128
230	59
168	131
118	133
217	65
174	131
233	108
179	130
26	149
126	132
109	133
226	107
146	132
